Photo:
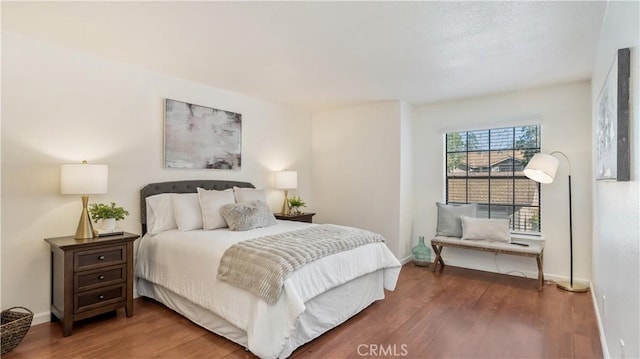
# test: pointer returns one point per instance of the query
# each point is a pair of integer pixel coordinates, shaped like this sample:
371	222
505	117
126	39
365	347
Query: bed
178	269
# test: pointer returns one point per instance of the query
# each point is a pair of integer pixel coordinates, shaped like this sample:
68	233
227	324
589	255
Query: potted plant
107	213
295	202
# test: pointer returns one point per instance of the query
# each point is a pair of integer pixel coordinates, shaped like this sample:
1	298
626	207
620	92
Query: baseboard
406	260
42	317
603	339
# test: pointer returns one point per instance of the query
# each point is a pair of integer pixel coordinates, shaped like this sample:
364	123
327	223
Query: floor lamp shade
84	179
542	168
286	180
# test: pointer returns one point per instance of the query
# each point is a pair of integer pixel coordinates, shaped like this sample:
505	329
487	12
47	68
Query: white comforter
187	262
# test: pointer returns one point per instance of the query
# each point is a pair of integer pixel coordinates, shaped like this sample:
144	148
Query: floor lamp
542	168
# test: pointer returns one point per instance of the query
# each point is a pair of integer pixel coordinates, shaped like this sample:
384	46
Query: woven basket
14	327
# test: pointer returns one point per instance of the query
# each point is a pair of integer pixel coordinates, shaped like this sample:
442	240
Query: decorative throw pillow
449	218
211	201
186	209
160	216
249	194
493	229
247	215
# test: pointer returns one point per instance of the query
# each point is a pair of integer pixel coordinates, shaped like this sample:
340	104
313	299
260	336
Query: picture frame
200	137
612	122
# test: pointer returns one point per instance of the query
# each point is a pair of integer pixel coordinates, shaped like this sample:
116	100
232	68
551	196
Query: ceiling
325	55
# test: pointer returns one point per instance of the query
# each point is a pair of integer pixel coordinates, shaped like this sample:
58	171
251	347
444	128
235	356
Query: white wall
616	205
564	112
406	239
357	169
62	106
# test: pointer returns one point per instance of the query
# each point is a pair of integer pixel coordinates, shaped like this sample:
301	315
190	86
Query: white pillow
210	203
496	230
186	209
249	194
160	216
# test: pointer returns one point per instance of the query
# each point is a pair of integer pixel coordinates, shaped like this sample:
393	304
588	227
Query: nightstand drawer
99	278
97	258
99	297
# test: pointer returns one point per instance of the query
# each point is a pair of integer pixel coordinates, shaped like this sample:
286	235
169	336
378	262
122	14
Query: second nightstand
90	277
301	217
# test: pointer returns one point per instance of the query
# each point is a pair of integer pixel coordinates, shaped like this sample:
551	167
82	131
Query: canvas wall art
612	122
199	137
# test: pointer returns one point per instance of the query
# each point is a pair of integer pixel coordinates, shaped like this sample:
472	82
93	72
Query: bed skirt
322	313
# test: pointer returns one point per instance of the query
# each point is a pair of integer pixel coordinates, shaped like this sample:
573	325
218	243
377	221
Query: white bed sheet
186	263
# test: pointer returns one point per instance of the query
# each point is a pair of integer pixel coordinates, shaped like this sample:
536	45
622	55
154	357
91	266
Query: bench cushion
535	246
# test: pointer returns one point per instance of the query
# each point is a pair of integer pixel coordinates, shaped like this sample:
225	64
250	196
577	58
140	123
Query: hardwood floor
458	313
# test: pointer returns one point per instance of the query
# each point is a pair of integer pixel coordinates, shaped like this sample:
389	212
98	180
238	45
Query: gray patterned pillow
247	215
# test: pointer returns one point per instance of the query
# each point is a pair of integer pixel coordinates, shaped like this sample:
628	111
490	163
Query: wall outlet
621	349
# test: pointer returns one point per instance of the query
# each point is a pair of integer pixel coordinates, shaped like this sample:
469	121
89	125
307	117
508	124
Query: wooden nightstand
302	217
90	277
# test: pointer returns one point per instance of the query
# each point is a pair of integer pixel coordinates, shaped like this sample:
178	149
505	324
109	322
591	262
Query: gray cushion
535	246
449	223
490	229
247	215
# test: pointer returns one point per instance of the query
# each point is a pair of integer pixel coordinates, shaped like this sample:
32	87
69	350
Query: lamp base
85	228
285	204
577	288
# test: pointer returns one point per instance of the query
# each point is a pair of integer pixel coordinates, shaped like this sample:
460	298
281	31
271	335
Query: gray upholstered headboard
181	187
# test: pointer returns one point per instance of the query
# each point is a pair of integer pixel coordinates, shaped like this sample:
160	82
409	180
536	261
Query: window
485	167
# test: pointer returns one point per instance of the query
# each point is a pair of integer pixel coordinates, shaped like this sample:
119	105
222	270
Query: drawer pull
101	297
101	258
101	277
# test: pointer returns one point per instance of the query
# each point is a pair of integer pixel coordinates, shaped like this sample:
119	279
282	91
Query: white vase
108	223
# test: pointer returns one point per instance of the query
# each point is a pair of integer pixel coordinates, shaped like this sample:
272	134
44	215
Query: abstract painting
612	122
198	137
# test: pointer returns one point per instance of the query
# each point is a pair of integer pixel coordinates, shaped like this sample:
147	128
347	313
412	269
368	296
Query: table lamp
286	180
84	179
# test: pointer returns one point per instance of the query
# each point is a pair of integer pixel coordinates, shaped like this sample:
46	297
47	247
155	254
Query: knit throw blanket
261	265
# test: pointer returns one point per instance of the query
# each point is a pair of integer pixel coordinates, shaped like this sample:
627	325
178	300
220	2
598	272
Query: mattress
179	269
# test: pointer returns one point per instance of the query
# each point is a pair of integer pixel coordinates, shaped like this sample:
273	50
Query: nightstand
302	217
90	277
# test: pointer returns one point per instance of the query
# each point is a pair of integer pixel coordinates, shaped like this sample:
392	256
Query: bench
535	249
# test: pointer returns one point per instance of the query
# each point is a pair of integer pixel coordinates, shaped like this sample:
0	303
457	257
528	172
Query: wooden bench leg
541	265
540	273
437	250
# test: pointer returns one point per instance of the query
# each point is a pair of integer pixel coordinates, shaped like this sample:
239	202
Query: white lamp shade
542	168
287	180
83	178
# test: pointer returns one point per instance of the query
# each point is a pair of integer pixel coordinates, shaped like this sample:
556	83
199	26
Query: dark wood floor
459	313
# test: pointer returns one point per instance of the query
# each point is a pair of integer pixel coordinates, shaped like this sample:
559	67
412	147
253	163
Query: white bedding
187	262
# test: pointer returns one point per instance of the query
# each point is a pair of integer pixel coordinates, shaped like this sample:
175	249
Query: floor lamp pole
570	233
570	286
